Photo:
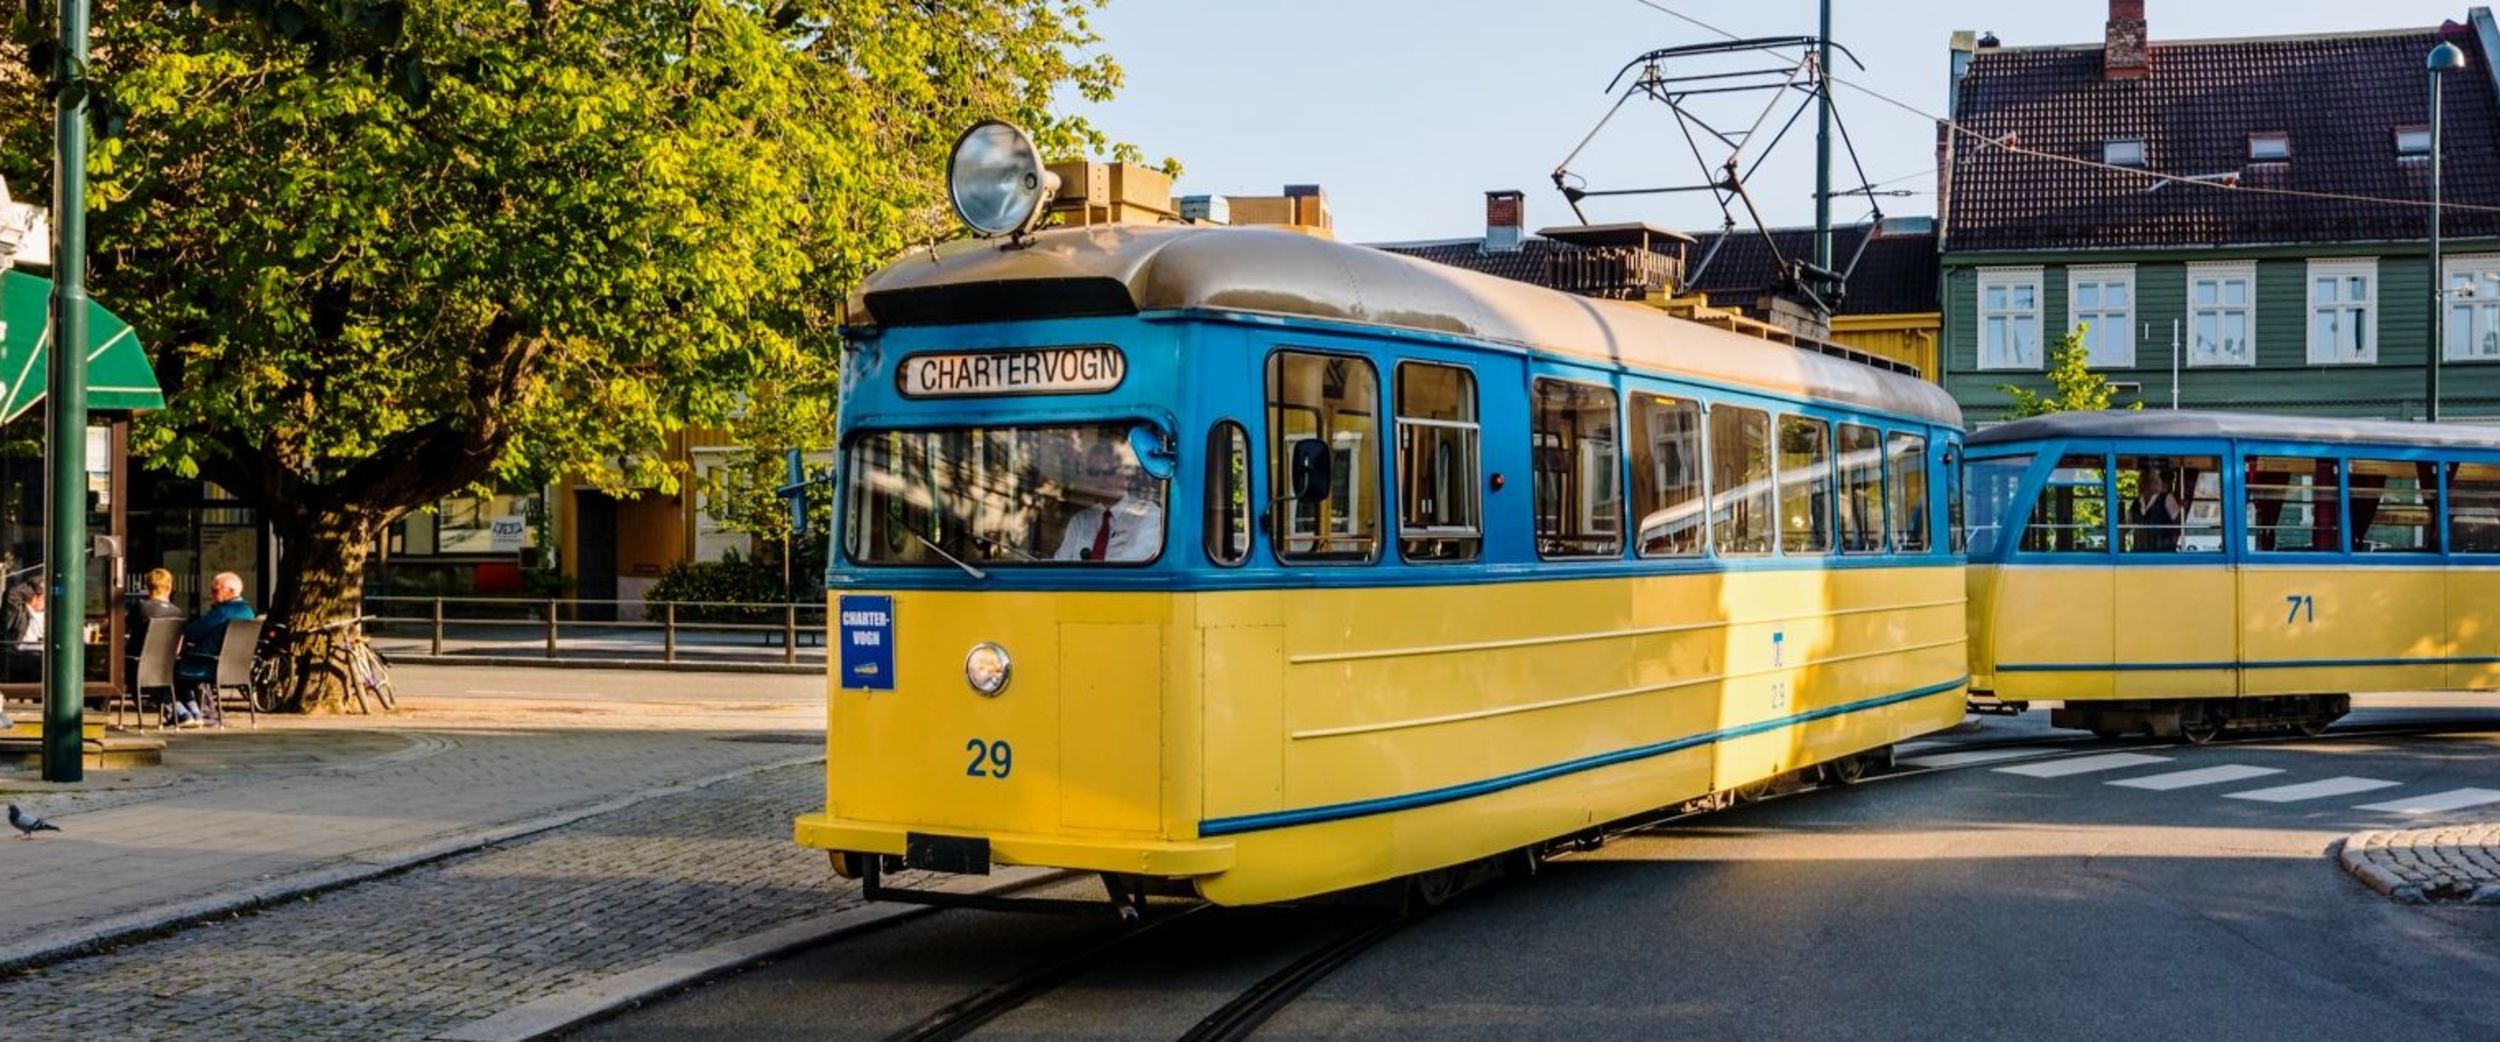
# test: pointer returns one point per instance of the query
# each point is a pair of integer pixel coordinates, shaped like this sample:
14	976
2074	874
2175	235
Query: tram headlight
996	179
987	669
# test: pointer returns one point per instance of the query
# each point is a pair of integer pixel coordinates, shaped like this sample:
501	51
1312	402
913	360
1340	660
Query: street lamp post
2443	58
65	498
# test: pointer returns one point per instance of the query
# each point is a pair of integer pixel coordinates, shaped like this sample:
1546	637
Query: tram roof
2120	423
1122	269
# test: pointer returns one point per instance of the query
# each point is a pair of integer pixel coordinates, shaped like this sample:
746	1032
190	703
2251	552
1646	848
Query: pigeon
27	824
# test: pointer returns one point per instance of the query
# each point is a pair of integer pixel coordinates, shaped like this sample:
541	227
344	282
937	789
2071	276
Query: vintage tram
1250	564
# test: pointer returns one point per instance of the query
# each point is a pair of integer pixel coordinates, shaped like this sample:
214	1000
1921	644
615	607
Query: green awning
118	376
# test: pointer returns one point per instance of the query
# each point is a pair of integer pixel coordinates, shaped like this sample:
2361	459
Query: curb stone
87	938
546	1016
645	665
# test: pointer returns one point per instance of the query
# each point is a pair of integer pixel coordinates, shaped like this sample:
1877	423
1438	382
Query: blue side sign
867	643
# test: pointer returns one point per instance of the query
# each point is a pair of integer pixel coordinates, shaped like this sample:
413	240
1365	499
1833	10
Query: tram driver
1128	525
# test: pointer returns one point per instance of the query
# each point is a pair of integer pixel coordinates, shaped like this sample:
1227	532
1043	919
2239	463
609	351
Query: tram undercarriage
2202	720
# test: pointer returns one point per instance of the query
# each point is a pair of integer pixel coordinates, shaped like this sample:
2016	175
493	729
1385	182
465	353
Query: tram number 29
989	759
2304	608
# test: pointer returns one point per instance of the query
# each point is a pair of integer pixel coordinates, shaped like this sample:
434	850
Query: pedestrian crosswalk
2153	772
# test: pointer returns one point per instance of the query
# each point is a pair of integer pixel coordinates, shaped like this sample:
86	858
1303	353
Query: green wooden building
2247	227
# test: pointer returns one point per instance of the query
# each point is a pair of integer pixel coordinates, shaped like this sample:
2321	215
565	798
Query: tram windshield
1073	495
1989	486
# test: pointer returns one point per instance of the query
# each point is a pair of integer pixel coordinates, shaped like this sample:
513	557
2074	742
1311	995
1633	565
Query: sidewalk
2418	866
240	817
526	642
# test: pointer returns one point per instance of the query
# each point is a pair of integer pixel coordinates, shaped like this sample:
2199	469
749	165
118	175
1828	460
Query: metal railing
665	631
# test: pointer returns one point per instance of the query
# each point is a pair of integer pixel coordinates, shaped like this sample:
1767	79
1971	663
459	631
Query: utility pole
1823	146
65	502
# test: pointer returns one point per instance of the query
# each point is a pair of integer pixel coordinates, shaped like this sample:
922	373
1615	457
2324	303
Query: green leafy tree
2073	384
383	251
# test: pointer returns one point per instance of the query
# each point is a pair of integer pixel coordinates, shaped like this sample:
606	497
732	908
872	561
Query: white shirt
1136	532
33	637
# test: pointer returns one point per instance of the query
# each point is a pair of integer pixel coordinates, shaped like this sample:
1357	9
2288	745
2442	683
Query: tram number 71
2304	608
989	759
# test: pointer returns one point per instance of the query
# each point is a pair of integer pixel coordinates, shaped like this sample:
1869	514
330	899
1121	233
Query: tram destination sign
1090	369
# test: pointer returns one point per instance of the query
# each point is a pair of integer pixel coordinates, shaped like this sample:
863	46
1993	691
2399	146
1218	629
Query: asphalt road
2098	892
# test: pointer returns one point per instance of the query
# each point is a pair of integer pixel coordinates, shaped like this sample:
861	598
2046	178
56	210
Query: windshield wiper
950	558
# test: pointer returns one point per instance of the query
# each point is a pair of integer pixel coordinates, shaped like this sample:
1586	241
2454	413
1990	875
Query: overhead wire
2011	144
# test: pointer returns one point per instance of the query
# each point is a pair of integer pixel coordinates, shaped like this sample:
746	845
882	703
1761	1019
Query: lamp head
2446	57
996	180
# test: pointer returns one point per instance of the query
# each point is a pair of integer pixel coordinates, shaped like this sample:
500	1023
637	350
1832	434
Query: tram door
2056	602
2176	596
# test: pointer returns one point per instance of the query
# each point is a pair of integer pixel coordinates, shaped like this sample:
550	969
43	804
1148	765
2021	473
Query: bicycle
273	668
364	668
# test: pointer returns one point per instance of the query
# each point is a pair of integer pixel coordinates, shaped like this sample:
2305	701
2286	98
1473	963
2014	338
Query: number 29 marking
2304	608
989	759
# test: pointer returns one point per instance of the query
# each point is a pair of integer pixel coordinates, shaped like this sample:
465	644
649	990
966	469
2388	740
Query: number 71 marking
2304	608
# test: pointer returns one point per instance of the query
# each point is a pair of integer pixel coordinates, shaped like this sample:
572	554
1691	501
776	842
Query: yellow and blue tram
2186	573
1245	563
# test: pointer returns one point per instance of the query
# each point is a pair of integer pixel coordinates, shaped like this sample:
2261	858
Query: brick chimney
1505	220
2125	53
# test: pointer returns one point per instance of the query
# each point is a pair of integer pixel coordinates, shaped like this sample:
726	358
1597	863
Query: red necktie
1102	535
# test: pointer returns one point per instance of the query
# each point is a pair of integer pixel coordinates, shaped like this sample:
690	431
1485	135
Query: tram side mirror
104	547
1314	471
1154	454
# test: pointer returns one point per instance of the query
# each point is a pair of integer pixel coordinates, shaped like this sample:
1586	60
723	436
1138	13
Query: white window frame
2417	132
2113	152
2481	311
2270	154
712	539
2221	272
2339	270
2009	278
2106	348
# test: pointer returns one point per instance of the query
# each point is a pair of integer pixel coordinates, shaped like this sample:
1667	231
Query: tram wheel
2314	726
1751	792
2202	732
1847	770
2105	733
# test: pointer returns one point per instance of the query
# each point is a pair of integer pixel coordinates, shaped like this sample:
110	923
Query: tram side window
2474	508
1578	485
1228	494
1741	520
1437	433
1861	490
1669	475
2395	507
1989	488
2294	505
1905	458
2072	515
1335	401
1805	485
2169	504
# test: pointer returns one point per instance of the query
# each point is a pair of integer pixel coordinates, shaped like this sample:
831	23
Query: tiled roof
1526	264
1897	274
2339	97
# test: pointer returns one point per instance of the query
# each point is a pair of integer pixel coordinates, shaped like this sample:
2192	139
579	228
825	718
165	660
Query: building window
1578	495
467	524
2343	312
2009	318
1669	475
2103	303
1437	518
2125	151
2222	314
2272	146
2413	140
2473	308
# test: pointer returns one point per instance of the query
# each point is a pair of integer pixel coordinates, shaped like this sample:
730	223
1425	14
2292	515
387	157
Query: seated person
2153	516
158	604
203	639
21	632
1129	528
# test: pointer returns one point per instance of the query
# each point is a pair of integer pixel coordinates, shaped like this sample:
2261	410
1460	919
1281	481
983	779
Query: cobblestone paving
419	953
2453	862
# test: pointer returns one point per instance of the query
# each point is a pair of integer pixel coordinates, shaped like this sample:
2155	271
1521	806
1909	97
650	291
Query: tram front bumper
1166	858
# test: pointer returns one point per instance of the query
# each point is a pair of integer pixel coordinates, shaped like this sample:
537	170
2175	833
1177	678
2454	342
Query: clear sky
1407	111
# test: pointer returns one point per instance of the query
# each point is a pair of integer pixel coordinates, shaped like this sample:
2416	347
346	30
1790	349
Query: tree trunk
320	576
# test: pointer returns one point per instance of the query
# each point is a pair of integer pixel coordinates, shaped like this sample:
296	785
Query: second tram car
1246	563
2185	573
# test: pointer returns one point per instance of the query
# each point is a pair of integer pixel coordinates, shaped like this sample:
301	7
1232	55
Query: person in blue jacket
202	639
